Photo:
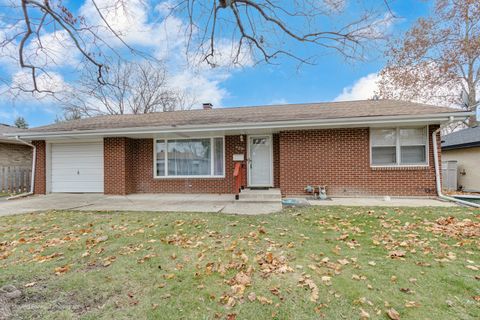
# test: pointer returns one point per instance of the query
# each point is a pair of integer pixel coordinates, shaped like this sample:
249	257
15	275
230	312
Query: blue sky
252	85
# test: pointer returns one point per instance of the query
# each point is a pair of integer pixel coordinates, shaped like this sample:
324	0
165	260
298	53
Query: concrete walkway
137	202
187	203
381	202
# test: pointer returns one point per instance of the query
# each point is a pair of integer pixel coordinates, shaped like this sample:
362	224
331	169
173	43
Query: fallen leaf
101	239
364	314
407	290
243	279
252	296
62	269
411	304
393	314
326	280
275	291
343	262
264	300
397	254
30	284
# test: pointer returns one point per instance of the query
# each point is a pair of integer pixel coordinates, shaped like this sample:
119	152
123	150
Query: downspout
34	160
437	173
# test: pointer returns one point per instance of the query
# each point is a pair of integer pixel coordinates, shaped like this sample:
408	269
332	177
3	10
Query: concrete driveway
137	202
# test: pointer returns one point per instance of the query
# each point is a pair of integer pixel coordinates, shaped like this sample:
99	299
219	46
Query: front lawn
311	263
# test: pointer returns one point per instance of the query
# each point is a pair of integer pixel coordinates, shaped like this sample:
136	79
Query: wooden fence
15	179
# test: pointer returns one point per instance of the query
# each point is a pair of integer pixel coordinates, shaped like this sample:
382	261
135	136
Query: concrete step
258	200
262	191
256	195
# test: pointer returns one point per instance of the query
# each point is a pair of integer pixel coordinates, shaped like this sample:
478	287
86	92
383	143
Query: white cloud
55	49
15	101
378	28
278	101
22	81
364	88
130	21
201	87
165	38
160	34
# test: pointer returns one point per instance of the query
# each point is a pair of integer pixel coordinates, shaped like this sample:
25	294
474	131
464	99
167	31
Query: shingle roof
5	128
258	114
469	137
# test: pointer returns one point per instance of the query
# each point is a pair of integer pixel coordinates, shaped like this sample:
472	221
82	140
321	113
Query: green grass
181	265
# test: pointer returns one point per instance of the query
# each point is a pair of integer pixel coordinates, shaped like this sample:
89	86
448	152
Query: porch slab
381	202
137	202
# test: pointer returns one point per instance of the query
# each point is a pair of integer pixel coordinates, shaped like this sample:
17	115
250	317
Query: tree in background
267	29
438	60
133	88
21	123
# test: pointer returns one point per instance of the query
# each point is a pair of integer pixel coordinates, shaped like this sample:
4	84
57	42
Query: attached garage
77	167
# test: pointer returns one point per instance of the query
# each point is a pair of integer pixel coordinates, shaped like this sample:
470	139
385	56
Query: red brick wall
119	164
129	168
40	184
340	159
276	160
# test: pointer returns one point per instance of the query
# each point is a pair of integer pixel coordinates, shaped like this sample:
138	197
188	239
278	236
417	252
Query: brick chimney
207	106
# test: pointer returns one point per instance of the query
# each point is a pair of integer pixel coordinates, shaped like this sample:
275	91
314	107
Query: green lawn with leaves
309	263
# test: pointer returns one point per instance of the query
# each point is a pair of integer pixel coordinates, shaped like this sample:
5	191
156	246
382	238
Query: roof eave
462	145
436	118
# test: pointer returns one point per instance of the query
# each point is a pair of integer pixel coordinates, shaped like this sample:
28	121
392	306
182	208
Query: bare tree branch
133	88
260	29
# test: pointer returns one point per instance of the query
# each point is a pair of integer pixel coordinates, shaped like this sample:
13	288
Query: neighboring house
12	152
377	147
464	147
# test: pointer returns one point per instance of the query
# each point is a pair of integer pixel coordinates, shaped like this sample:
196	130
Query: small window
398	146
190	157
413	146
384	146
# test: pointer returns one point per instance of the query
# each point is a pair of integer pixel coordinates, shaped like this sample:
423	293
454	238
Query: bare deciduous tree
133	88
266	28
438	58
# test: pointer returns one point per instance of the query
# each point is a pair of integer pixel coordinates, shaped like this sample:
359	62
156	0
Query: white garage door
77	167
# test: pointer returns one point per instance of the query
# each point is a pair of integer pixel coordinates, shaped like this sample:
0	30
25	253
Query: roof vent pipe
207	106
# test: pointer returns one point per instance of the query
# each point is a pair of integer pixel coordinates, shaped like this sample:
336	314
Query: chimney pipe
207	106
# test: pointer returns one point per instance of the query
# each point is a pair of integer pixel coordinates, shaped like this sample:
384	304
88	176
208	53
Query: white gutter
34	160
437	174
354	121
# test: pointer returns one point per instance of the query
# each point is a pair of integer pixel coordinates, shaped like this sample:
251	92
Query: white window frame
212	155
398	155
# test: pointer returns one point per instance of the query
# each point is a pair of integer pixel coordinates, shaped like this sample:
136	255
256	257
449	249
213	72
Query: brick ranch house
374	147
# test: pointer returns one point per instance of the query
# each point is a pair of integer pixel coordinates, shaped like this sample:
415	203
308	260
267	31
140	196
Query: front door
260	167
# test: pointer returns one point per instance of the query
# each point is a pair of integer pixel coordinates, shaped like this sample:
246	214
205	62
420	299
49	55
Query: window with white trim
398	146
196	157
